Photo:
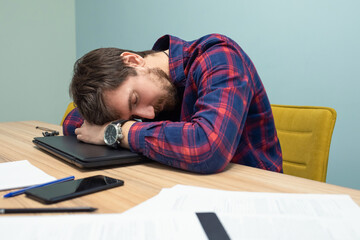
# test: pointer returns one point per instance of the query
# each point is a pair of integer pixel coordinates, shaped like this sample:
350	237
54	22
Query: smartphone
71	189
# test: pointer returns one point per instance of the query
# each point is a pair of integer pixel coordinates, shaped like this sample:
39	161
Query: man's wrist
125	130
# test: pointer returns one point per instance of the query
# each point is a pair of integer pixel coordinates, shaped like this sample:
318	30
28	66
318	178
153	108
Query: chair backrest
305	135
70	107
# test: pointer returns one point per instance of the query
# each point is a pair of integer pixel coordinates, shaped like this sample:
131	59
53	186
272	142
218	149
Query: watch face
111	134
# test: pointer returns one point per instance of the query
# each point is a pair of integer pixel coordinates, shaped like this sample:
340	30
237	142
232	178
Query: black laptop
86	155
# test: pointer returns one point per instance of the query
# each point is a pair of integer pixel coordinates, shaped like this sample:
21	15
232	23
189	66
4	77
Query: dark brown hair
97	71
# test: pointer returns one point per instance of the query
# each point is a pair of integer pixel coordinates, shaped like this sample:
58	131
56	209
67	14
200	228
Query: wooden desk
141	181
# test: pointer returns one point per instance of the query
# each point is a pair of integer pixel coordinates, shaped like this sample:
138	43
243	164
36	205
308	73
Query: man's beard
168	100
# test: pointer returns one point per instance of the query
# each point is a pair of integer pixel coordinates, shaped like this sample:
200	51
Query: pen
46	210
18	192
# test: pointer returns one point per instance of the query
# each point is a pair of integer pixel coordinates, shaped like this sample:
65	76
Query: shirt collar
176	57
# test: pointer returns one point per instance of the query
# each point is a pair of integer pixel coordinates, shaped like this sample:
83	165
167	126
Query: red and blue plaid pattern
72	121
225	112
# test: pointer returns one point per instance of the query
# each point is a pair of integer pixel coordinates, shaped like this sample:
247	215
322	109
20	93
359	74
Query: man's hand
91	133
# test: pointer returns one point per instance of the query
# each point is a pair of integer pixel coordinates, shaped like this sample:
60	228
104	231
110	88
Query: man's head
111	83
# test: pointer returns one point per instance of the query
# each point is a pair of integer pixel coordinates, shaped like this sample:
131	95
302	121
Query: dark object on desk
46	210
49	132
212	226
86	155
71	189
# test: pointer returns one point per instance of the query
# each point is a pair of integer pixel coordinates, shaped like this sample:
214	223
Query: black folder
86	155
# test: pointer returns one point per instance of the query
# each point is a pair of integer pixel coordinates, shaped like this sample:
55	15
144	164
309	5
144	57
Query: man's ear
132	59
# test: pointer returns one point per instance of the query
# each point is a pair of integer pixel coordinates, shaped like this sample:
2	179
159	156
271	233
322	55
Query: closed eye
133	101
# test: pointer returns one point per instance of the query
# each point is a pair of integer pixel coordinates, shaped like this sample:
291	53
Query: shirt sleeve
207	142
72	121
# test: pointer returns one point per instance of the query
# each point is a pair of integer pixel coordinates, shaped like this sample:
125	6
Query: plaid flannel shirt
225	115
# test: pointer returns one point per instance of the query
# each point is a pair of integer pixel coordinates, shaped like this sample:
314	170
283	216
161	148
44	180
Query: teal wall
306	52
37	53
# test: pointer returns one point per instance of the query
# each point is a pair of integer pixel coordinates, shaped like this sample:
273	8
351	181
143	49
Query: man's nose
147	112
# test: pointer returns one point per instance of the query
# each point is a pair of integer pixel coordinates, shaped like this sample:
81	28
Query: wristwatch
113	133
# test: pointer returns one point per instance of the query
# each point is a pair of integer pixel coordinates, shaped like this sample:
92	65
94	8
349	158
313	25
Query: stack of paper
248	215
171	215
102	226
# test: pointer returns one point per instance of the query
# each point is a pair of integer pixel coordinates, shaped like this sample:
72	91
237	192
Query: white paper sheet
21	174
289	227
197	199
249	215
103	226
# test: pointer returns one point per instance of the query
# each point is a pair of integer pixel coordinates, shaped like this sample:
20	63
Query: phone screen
71	189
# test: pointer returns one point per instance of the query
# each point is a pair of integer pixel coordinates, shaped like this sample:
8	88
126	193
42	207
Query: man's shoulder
215	38
212	42
207	40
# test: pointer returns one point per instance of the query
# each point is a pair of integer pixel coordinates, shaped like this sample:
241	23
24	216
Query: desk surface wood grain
142	181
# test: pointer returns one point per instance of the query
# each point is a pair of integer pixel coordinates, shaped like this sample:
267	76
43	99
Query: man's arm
126	128
74	124
94	134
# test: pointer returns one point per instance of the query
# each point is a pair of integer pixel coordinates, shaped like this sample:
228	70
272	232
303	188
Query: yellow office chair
305	134
70	107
